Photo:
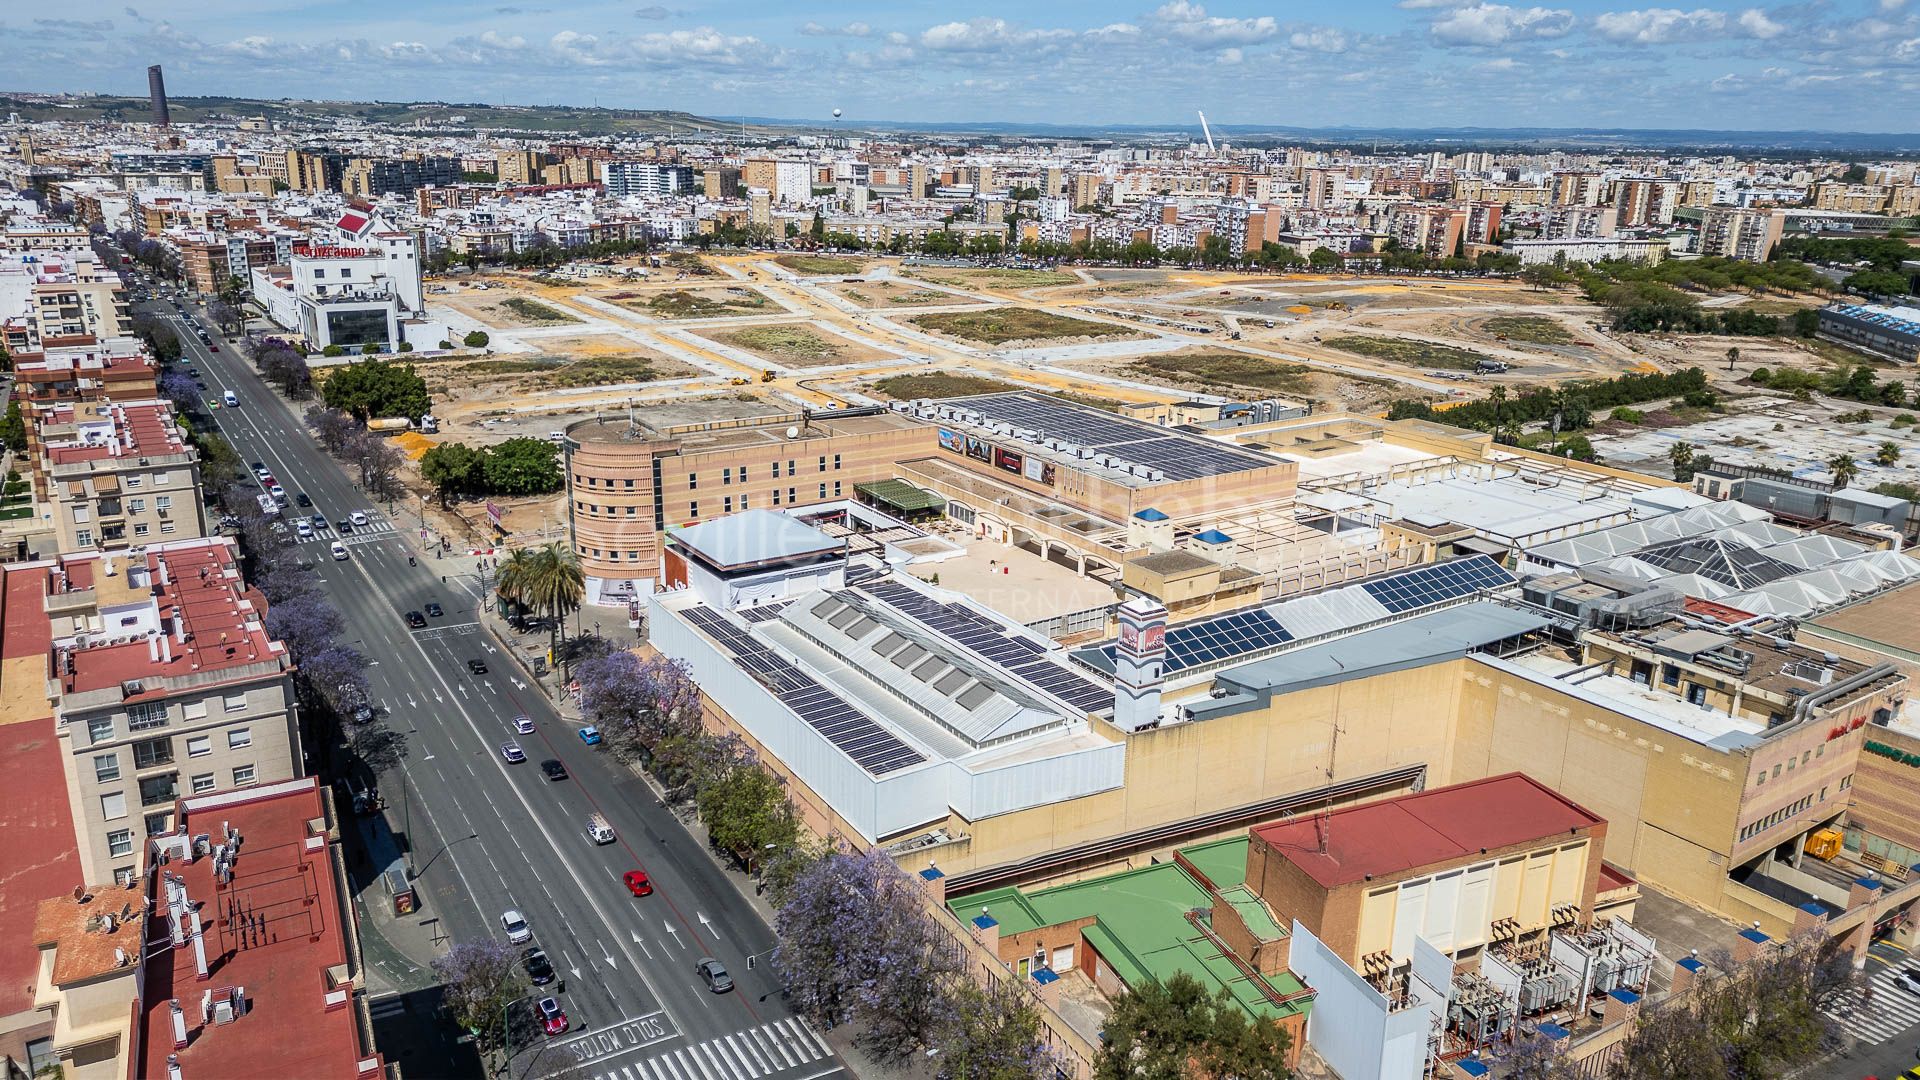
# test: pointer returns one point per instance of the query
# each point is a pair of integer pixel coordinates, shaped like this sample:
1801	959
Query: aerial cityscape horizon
1360	543
1418	63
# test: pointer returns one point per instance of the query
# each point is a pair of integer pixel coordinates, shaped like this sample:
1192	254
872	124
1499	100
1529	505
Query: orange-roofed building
161	679
253	938
118	473
117	368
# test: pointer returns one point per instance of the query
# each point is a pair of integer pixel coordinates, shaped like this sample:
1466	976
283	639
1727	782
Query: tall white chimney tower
1139	663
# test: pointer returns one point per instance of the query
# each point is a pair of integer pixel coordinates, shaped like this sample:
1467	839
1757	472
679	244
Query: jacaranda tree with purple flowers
637	703
992	1033
857	945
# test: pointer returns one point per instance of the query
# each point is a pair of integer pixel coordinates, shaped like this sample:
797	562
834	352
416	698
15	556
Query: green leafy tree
13	429
1843	468
1879	283
475	339
1579	448
523	466
377	388
1681	454
453	469
1323	259
746	811
1158	1029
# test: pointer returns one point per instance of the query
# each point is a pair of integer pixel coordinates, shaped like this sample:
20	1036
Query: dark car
344	526
415	620
539	968
302	499
434	610
554	768
714	974
478	667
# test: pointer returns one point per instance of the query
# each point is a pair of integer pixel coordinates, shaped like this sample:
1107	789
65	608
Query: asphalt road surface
488	836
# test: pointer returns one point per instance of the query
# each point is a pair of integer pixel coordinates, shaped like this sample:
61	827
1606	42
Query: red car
638	883
553	1019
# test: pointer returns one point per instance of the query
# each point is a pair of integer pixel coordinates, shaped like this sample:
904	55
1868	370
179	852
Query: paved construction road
488	835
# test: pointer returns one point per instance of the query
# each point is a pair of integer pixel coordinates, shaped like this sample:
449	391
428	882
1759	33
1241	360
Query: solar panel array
764	611
871	746
1241	633
1427	585
1181	457
1020	656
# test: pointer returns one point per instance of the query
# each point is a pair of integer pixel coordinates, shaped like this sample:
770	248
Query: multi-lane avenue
488	835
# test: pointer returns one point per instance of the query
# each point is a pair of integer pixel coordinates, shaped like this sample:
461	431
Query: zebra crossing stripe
825	1050
694	1063
773	1036
757	1039
658	1072
754	1069
801	1045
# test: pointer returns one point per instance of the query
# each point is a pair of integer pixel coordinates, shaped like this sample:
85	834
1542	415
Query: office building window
726	475
823	463
106	767
693	509
236	702
159	824
836	461
199	746
100	729
242	775
791	465
136	506
743	502
239	738
163	503
776	496
113	806
140	528
823	491
726	505
693	480
202	782
836	489
153	714
120	842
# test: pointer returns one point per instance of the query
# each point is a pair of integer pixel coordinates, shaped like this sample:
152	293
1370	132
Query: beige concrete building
164	682
118	474
92	960
1740	233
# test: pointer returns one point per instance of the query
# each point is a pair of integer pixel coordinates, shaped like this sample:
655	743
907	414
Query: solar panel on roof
1242	633
871	746
1180	457
1017	655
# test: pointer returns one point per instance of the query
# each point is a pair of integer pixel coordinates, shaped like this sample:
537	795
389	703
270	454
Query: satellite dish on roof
793	433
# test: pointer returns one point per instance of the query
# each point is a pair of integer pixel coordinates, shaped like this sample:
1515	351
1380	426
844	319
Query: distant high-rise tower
157	96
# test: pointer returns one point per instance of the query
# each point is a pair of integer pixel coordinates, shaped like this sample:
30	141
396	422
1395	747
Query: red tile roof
42	859
288	933
1443	825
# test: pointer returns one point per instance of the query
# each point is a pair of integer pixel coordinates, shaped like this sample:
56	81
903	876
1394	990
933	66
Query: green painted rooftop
1141	925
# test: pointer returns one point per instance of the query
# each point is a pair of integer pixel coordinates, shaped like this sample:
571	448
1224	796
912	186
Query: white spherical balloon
836	114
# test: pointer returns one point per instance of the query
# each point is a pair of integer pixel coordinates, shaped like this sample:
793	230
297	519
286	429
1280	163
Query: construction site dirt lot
681	302
499	425
1017	327
889	295
822	265
797	344
1245	376
462	386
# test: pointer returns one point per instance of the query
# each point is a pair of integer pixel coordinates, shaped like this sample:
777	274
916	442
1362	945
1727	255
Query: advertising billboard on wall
1011	460
979	449
949	441
1040	472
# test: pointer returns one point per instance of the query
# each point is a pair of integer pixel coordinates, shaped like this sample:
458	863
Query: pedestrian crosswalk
779	1047
374	530
1878	1009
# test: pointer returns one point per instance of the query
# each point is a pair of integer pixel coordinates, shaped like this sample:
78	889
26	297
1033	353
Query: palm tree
555	584
1681	454
1888	454
514	581
1843	468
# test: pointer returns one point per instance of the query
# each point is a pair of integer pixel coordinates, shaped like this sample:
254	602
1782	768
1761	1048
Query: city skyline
1420	63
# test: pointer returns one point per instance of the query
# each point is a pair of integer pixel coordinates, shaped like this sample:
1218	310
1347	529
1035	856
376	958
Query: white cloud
1659	26
985	35
1757	24
1326	39
1231	56
852	29
1504	63
1190	22
1485	24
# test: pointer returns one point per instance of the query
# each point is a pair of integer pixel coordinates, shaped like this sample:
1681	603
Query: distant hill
557	119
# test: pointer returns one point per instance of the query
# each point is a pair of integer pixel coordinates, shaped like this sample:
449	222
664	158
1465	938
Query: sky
1827	65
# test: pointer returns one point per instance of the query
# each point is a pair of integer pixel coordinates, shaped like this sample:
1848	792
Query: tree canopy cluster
519	466
374	388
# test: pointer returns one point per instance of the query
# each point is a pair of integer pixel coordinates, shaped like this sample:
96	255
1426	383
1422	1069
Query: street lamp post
506	1035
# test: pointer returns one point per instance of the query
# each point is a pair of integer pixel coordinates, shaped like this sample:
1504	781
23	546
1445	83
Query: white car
358	517
302	529
515	924
1909	979
339	551
523	724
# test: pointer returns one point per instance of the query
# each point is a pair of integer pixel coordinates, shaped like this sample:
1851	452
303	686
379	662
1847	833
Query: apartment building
119	474
210	260
1577	189
373	177
56	301
519	167
161	679
1850	198
118	368
650	178
315	169
126	970
1580	222
46	236
1740	232
1434	231
1644	200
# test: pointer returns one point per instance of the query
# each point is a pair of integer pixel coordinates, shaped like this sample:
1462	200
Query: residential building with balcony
118	474
162	681
118	369
1740	232
53	301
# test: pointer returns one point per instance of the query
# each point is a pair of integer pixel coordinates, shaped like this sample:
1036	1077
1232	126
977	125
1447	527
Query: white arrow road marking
708	923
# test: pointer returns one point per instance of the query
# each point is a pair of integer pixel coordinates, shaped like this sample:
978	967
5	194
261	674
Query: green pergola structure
901	499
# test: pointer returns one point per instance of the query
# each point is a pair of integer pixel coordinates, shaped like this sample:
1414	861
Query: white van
233	401
598	830
339	551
